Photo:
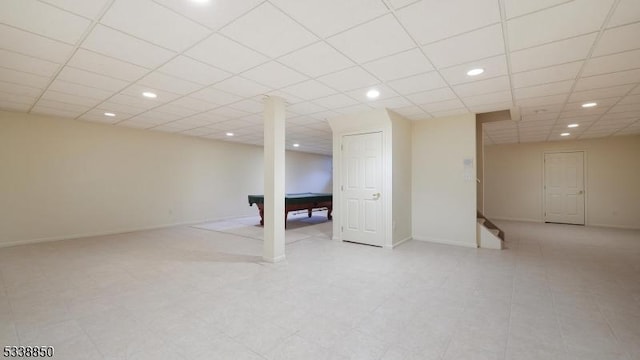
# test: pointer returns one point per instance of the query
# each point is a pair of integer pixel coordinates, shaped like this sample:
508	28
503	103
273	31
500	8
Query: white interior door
564	187
361	189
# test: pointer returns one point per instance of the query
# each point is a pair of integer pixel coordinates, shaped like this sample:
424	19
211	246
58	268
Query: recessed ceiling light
475	72
296	145
200	1
588	105
229	134
565	134
373	93
109	114
573	125
149	95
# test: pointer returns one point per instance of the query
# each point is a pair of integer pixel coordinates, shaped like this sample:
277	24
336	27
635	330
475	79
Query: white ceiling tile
13	106
431	96
599	94
33	45
400	65
361	94
135	124
441	106
493	67
269	31
487	99
87	78
625	108
290	99
23	78
560	22
130	104
482	108
391	103
417	83
561	87
213	14
241	87
15	89
619	115
631	99
515	8
148	20
618	39
579	112
15	61
305	108
551	74
479	44
215	96
608	80
43	19
188	69
86	8
329	17
628	11
482	86
612	63
310	89
274	75
336	101
44	110
175	108
118	107
432	20
446	113
104	65
249	106
552	54
9	98
316	59
373	40
409	110
160	81
54	103
80	90
349	79
226	54
113	43
97	115
135	92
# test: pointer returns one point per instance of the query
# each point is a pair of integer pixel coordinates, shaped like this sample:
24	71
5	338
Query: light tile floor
557	292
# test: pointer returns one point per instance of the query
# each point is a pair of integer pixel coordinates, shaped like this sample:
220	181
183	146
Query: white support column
274	174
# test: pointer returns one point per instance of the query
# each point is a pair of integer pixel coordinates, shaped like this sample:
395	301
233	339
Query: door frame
584	179
387	185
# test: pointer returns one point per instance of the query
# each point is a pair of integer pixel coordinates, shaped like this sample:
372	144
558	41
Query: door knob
580	192
376	196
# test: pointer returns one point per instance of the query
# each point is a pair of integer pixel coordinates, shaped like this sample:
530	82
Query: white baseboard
614	226
504	218
398	243
447	242
106	233
274	260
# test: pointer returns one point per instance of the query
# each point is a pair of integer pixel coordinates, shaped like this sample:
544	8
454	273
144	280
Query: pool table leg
309	212
329	210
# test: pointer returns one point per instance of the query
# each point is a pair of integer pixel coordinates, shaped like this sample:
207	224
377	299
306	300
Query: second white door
564	187
362	189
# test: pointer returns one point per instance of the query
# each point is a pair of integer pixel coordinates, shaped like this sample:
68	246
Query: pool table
293	202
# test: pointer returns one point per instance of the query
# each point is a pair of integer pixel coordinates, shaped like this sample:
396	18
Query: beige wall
444	203
401	137
514	180
64	178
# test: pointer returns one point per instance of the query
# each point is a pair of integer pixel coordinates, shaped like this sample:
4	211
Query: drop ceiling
212	62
